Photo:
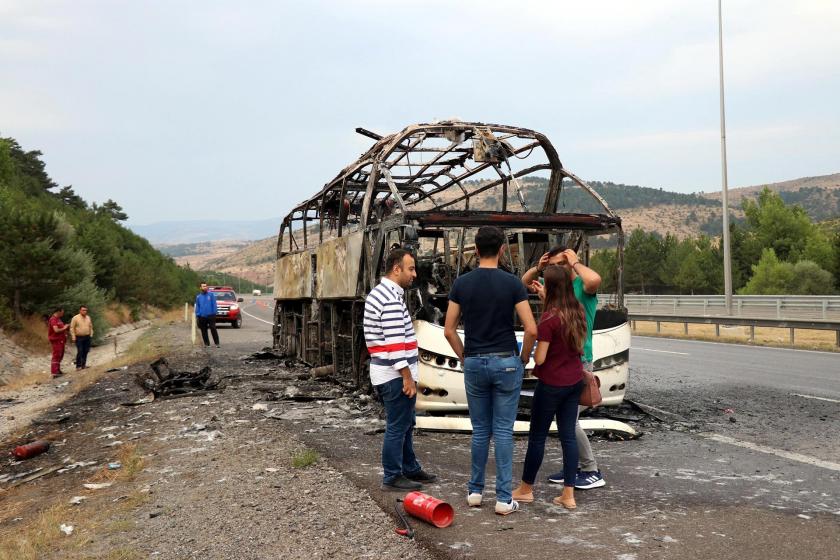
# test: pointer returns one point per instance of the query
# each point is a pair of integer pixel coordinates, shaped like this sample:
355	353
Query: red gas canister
429	509
31	449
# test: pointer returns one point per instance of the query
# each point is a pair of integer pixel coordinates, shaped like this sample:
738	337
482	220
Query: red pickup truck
227	306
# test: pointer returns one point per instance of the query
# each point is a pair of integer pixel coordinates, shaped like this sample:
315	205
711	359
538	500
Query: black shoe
401	483
421	476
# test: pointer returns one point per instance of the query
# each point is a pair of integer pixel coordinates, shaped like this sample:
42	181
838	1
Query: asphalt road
744	463
258	314
815	374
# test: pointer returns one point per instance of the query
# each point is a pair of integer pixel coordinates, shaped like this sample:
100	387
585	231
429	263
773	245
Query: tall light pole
727	255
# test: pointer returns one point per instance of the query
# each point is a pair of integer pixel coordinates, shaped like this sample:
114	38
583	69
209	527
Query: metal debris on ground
60	419
76	465
164	382
265	354
97	486
28	476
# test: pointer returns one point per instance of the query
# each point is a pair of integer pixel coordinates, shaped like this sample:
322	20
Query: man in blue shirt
486	299
205	314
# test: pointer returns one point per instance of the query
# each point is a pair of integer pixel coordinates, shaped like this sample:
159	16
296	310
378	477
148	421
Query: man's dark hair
488	241
556	250
83	307
395	257
202	282
58	308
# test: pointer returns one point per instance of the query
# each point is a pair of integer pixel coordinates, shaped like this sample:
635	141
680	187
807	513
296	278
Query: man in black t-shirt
486	298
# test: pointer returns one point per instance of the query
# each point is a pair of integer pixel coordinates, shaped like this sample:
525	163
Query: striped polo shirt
389	333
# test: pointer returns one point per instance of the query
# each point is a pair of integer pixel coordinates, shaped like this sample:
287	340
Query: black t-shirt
487	297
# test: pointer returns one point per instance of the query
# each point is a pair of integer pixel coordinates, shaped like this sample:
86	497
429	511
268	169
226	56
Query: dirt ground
205	476
31	393
277	465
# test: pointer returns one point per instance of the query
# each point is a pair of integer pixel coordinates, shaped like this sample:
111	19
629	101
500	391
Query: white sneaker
474	499
506	509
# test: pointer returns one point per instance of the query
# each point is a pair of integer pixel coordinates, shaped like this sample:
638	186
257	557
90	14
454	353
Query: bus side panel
338	261
293	276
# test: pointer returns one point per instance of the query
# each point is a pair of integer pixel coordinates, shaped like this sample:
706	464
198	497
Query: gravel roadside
216	477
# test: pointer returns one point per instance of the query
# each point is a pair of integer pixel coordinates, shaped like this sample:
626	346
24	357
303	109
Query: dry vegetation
738	194
680	220
764	336
37	536
32	334
140	350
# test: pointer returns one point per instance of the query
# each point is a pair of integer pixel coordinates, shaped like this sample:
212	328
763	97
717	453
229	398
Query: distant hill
252	260
197	231
827	182
680	214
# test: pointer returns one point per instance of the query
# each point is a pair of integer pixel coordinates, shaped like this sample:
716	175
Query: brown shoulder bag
591	395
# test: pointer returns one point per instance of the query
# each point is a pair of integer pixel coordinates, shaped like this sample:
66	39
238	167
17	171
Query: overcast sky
174	108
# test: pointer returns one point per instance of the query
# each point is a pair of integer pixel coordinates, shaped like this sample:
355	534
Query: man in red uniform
57	335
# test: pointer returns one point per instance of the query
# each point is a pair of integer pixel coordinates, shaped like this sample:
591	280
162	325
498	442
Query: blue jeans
493	384
398	446
552	402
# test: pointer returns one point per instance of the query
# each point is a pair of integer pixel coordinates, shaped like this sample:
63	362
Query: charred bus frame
426	188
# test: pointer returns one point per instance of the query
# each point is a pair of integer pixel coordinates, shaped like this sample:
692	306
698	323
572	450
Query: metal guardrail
824	308
751	322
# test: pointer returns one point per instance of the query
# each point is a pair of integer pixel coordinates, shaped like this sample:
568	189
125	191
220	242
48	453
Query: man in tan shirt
81	331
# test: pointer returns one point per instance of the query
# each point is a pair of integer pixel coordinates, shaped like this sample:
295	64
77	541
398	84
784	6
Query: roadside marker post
192	330
186	311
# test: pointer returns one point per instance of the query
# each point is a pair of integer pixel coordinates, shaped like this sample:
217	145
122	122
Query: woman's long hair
560	301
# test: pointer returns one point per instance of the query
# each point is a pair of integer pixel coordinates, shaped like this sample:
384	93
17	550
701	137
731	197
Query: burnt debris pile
164	382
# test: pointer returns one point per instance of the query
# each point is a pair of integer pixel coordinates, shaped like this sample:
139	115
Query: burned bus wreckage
428	188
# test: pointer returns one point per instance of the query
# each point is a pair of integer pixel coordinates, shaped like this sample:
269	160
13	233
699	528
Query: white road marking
257	318
754	346
814	397
773	451
660	351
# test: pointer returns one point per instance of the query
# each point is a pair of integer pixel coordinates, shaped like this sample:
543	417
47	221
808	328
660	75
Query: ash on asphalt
672	493
219	470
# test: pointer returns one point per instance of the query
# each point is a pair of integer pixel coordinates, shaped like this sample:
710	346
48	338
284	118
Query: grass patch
33	540
121	526
132	461
132	464
305	458
125	553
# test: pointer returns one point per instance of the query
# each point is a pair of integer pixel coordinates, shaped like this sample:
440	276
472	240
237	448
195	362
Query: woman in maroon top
560	337
57	335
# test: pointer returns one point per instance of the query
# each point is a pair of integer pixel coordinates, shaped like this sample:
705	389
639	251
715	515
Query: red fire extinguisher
31	449
429	509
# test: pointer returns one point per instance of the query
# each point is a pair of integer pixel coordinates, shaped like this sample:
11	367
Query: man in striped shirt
392	344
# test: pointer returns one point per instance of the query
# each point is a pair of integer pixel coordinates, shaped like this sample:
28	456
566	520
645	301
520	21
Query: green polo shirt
590	305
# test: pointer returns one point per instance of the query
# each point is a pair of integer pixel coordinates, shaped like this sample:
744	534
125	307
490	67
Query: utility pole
727	254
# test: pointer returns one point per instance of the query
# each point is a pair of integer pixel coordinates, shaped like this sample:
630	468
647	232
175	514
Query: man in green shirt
586	283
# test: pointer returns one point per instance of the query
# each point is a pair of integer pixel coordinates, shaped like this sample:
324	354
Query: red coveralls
58	341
